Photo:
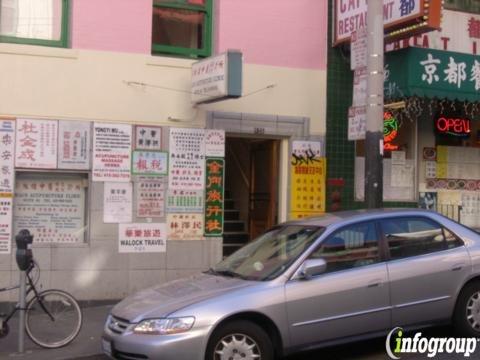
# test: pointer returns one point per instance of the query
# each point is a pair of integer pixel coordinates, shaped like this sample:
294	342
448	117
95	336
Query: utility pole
374	133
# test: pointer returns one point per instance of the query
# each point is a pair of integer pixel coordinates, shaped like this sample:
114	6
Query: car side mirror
312	267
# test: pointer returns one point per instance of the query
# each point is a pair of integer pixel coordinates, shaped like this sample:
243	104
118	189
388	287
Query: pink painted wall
112	25
290	33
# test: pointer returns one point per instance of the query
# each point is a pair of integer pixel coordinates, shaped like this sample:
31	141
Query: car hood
162	300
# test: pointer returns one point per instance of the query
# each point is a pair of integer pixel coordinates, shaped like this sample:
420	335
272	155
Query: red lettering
445	42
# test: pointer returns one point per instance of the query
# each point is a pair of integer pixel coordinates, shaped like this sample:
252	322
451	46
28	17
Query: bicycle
53	317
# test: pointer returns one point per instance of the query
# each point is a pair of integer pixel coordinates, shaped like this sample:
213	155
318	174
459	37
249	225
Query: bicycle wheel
53	319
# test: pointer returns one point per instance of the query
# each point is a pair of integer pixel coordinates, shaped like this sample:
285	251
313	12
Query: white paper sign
5	225
150	197
360	78
52	209
357	123
398	157
36	144
185	201
117	202
185	226
7	153
215	143
142	238
358	49
187	159
111	152
74	145
148	137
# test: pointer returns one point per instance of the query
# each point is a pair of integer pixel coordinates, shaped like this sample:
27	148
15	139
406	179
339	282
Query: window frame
64	32
386	246
380	241
158	49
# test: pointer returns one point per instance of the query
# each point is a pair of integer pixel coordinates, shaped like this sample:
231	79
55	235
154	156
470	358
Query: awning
432	73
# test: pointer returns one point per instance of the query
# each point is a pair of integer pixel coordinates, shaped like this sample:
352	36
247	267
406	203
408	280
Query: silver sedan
306	284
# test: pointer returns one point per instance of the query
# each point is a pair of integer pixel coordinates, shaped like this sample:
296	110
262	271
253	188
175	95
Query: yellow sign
307	196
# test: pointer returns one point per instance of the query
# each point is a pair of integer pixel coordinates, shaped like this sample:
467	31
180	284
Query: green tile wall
339	151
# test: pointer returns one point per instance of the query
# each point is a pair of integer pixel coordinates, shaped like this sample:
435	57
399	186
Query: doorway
251	189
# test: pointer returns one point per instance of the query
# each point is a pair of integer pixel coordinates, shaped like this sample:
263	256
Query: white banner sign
352	14
150	197
142	238
7	153
117	202
5	225
215	143
187	159
74	145
111	152
52	209
36	144
357	122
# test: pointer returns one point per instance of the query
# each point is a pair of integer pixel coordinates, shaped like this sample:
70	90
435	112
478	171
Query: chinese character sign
187	159
149	162
150	197
7	153
5	225
185	201
308	171
52	209
36	144
111	152
142	238
215	143
148	137
74	145
117	202
214	197
185	226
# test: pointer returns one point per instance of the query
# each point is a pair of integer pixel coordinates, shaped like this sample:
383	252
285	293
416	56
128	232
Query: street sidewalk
85	346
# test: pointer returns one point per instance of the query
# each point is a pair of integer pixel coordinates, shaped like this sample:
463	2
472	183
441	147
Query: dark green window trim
471	6
206	51
62	43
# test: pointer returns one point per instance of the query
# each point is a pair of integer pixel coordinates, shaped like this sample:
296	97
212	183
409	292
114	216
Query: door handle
457	267
374	283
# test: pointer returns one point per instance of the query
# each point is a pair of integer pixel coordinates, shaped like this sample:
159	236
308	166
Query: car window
407	237
351	247
452	240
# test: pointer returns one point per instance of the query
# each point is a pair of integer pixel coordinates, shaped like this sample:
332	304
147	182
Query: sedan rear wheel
240	340
467	311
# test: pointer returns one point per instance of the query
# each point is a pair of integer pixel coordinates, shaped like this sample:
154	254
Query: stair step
229	204
235	237
231	214
227	194
233	225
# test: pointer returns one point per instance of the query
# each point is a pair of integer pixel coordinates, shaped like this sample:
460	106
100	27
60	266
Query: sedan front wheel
240	340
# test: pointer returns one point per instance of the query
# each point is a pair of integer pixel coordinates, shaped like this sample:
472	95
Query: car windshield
269	255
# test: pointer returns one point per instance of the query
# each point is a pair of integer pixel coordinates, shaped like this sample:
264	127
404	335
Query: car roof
363	214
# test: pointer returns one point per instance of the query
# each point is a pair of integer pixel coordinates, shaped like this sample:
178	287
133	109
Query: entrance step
233	225
231	214
235	237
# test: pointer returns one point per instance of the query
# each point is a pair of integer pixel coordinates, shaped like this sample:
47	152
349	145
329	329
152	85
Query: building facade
123	181
430	122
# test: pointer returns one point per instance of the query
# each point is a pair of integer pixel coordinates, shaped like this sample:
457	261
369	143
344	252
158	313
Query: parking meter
24	254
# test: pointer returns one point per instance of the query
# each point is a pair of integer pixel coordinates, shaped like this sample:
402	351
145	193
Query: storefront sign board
117	202
111	152
214	197
142	238
187	159
148	137
7	156
74	145
150	197
185	226
36	144
151	163
215	143
52	210
185	201
6	211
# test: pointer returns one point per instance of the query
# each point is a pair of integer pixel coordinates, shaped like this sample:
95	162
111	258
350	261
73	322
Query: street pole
374	126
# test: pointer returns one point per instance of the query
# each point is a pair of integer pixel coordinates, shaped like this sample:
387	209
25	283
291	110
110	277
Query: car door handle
374	283
457	267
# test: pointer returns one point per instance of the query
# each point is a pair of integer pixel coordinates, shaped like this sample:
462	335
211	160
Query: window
51	206
408	237
35	22
182	27
349	248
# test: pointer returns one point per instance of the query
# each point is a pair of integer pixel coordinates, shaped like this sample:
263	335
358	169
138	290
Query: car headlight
164	326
